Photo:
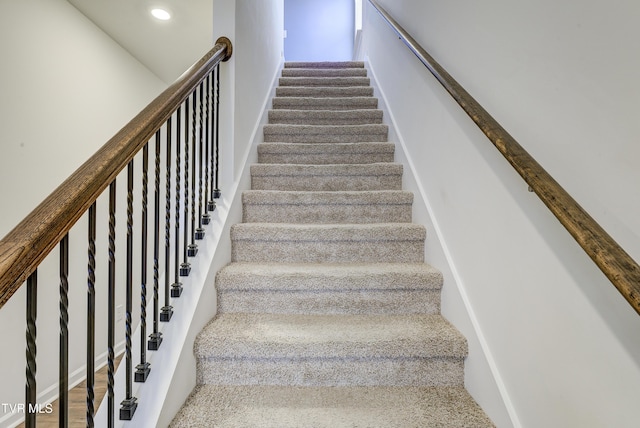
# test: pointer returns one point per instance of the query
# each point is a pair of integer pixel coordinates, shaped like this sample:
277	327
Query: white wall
559	339
258	53
319	30
66	89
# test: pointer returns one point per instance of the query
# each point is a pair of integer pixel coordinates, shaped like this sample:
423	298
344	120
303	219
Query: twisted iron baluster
193	248
212	202
143	369
200	231
216	191
30	387
185	267
91	312
129	403
176	288
206	218
165	315
111	305
63	384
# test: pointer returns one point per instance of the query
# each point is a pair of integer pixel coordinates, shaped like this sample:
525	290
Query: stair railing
184	115
613	260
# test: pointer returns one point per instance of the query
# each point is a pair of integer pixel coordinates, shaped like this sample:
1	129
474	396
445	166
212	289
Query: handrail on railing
24	247
193	101
613	261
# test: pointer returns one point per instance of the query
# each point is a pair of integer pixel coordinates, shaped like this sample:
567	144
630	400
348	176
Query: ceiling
167	48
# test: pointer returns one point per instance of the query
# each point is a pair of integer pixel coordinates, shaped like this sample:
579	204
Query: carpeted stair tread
348	81
330	407
262	206
325	117
283	133
346	102
324	64
309	288
328	232
325	153
329	276
327	243
324	72
302	336
324	91
377	176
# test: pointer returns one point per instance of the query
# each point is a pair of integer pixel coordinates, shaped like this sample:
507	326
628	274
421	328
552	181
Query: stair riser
308	103
325	159
310	117
315	72
324	183
325	214
332	372
278	136
371	302
329	92
327	252
324	81
359	133
324	64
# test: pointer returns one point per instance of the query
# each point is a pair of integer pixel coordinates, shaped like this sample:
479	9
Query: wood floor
77	402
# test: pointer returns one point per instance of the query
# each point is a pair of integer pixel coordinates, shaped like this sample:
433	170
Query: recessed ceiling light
161	14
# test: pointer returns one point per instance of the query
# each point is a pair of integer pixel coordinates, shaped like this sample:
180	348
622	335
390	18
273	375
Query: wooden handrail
24	247
613	261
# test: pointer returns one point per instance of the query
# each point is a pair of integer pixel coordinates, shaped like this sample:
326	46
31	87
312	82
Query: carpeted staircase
328	315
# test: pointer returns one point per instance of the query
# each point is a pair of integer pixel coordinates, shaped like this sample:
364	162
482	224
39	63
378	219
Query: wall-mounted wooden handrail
24	247
615	263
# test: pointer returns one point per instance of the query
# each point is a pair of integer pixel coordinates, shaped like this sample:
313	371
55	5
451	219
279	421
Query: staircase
328	315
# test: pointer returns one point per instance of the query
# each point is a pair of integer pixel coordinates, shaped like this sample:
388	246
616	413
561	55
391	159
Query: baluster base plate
192	251
155	340
166	314
185	269
142	372
206	218
128	408
211	205
176	290
199	235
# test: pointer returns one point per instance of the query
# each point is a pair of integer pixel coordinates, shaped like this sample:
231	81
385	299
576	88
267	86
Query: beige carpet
328	315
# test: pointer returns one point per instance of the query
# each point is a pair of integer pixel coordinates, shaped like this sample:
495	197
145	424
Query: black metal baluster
111	301
30	387
193	248
143	369
200	231
206	217
176	288
216	192
156	338
91	315
185	267
63	374
129	404
212	202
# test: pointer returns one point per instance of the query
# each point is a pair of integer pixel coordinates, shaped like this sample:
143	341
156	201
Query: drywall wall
66	89
258	53
558	337
319	30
